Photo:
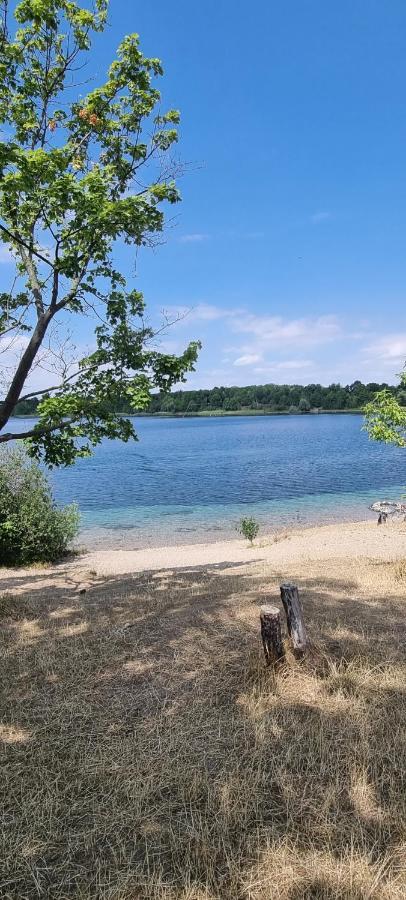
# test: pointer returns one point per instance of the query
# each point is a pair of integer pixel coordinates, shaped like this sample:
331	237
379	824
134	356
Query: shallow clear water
192	479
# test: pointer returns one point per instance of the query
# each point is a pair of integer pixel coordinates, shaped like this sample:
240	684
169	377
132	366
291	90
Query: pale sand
284	552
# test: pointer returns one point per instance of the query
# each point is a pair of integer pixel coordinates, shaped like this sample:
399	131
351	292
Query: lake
192	479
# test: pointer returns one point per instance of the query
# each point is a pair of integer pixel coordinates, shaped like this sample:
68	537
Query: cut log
294	616
271	634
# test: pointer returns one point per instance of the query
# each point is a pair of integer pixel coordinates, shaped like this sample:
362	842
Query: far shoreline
224	413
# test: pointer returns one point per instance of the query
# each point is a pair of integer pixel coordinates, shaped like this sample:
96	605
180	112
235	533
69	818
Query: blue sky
289	245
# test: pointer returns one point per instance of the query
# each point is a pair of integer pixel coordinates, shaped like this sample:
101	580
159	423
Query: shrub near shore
32	527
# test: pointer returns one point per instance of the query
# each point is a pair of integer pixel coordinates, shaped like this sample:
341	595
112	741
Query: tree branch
16	324
54	306
19	240
4	31
34	432
58	387
55	282
33	279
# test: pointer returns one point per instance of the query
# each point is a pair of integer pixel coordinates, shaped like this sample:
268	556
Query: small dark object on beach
388	509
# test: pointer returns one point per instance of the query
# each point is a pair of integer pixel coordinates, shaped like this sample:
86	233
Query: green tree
77	175
229	404
304	405
385	416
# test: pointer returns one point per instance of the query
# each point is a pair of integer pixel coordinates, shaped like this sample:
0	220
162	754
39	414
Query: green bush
32	527
249	528
304	405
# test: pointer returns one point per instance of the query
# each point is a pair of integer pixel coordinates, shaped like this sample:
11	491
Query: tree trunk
294	616
23	369
271	634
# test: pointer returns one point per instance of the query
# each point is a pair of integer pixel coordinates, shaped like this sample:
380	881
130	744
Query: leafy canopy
78	175
386	417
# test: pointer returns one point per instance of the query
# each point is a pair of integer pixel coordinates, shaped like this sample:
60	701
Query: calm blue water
192	479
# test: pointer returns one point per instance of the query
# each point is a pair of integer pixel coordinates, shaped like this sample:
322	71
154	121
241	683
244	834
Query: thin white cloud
203	312
248	360
171	347
209	313
194	238
391	348
259	348
274	331
268	331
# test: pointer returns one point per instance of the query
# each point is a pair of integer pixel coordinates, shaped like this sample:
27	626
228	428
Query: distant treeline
256	398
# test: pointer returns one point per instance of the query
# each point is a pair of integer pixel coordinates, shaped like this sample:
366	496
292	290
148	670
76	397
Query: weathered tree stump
294	616
271	634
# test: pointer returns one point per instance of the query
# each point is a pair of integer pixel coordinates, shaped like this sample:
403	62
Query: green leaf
70	193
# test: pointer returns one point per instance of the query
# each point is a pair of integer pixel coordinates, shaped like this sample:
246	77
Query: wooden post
294	616
271	634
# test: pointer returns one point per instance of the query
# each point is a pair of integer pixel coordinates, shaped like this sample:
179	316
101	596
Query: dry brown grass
399	570
147	752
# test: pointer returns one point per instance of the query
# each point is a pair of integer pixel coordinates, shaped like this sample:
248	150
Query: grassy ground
147	752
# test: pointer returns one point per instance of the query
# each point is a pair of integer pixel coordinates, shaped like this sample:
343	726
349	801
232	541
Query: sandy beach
284	550
349	541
